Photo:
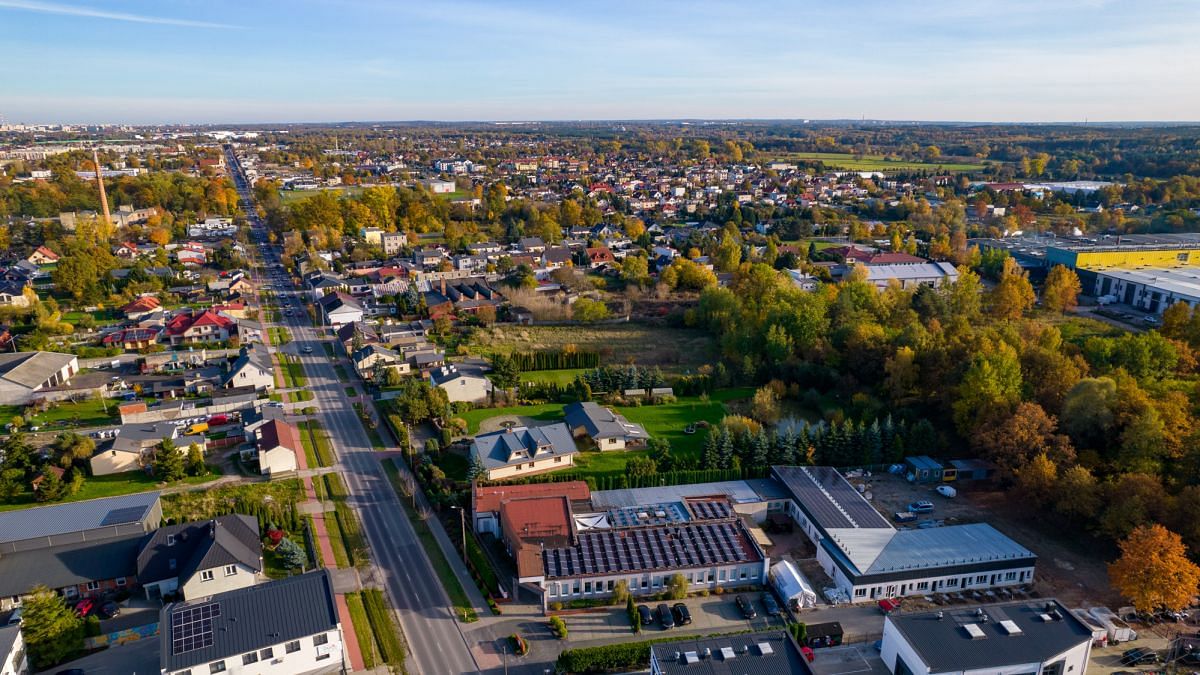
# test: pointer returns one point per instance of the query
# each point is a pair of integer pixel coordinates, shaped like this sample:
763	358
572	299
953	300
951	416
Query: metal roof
651	548
767	653
47	521
601	422
1046	629
69	565
738	492
523	444
878	551
828	499
248	619
32	369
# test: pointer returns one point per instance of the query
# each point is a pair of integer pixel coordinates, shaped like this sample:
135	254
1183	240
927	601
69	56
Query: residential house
372	359
524	451
251	331
142	307
607	429
465	383
191	253
12	294
321	283
1042	637
284	627
252	368
532	245
73	570
13	658
556	257
600	255
135	445
198	559
339	309
132	339
199	326
372	235
392	242
24	374
42	256
276	447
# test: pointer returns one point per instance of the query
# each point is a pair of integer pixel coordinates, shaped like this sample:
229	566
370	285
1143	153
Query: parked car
946	491
665	618
85	607
644	615
771	605
109	610
307	350
746	607
904	516
889	605
922	506
683	616
1138	656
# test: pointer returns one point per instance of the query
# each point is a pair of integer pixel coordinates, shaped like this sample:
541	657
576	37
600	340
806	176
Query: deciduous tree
1154	571
1062	289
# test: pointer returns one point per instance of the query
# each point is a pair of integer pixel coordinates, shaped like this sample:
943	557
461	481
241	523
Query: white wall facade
276	461
1075	660
218	580
15	661
320	653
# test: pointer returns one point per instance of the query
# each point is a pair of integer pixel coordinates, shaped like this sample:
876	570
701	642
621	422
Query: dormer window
170	540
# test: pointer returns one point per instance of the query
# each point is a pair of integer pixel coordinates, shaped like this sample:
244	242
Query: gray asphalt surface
434	638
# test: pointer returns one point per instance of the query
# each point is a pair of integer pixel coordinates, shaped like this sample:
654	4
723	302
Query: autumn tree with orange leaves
1154	571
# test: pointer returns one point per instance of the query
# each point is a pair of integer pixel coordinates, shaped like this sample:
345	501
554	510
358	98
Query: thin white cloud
89	12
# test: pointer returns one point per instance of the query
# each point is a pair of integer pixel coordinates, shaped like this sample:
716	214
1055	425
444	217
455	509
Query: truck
1118	630
198	428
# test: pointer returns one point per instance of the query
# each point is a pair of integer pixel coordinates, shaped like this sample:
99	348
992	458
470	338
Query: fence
121	637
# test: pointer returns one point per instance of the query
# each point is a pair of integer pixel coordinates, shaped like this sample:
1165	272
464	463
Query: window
292	647
860	592
93	585
206	575
981	579
185	672
587	587
170	540
1011	576
216	667
321	639
552	589
557	460
952	583
721	575
248	658
230	570
645	582
743	574
610	585
120	581
265	654
922	585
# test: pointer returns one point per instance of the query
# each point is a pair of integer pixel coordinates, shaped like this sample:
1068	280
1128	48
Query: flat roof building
766	653
1152	289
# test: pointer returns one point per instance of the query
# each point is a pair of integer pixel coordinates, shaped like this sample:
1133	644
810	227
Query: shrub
556	606
558	627
634	619
519	645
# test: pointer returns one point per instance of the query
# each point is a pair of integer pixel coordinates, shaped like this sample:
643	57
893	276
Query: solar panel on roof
128	514
192	628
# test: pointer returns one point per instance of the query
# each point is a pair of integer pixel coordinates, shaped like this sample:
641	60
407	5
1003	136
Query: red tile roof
180	323
546	519
278	433
47	252
146	303
489	498
895	259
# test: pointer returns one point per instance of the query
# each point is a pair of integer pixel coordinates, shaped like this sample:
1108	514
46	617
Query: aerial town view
670	338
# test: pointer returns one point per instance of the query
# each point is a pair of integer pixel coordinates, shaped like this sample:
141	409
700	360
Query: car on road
1151	320
771	605
904	516
85	607
665	618
746	607
644	615
307	350
922	506
683	616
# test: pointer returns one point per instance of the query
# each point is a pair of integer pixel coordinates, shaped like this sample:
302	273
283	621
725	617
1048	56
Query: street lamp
462	524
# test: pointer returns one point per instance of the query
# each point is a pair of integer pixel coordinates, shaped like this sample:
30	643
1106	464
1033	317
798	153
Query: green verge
458	597
387	633
362	629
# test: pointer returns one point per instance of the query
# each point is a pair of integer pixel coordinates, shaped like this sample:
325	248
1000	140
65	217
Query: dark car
665	618
771	605
109	610
1138	656
683	616
746	607
644	615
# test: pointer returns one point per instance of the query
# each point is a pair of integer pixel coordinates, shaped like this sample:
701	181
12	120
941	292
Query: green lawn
111	486
204	504
561	377
287	196
293	370
86	413
340	556
850	162
351	392
454	464
279	335
362	629
301	396
548	412
316	445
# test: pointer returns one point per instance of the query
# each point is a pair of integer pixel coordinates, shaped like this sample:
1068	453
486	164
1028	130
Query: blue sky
139	61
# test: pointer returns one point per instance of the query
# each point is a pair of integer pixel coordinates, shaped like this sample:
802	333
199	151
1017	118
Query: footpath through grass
458	597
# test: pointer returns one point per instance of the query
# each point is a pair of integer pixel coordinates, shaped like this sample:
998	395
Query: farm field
674	349
849	162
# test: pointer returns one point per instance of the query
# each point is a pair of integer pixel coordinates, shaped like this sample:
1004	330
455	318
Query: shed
923	469
823	634
973	469
792	586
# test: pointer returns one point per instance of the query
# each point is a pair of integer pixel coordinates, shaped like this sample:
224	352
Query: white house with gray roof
23	374
523	451
201	558
607	429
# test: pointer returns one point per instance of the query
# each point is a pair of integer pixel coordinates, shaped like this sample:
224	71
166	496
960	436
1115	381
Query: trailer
1099	633
1118	630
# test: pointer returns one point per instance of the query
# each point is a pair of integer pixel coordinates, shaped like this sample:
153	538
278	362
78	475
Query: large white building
868	559
1036	637
1151	289
23	374
284	627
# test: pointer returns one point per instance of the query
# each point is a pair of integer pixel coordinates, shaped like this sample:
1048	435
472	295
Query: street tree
1154	571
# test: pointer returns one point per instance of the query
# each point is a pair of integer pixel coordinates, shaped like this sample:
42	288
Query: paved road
429	625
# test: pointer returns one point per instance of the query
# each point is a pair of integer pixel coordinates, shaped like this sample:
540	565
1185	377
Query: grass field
675	349
288	196
205	504
849	162
112	485
279	335
86	413
561	377
362	629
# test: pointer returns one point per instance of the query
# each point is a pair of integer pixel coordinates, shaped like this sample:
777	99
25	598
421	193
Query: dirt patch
618	344
506	422
1071	570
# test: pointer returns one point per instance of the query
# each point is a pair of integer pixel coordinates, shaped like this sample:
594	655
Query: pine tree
872	444
760	448
712	450
168	462
52	630
291	555
726	454
51	488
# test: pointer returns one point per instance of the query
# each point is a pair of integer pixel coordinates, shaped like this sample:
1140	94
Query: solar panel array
709	509
829	498
192	627
617	551
128	514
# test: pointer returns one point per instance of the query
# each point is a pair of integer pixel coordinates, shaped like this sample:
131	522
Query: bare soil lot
676	349
1072	570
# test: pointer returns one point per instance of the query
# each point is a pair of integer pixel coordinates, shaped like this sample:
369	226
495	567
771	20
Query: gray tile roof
945	646
730	655
226	540
601	422
523	444
69	564
47	521
255	617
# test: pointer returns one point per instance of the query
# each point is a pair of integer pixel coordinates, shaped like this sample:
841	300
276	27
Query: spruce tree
168	462
712	450
726	454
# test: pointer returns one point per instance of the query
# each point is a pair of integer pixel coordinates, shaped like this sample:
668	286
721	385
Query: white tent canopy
793	587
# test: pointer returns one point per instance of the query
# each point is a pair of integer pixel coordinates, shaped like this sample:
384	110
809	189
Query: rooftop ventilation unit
974	631
691	657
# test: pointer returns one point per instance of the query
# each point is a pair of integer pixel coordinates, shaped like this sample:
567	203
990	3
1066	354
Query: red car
218	419
85	607
889	605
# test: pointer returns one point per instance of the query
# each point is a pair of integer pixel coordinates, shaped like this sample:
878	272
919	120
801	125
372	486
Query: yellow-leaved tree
1154	571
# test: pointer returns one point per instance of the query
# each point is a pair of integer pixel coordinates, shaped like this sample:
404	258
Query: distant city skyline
141	62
